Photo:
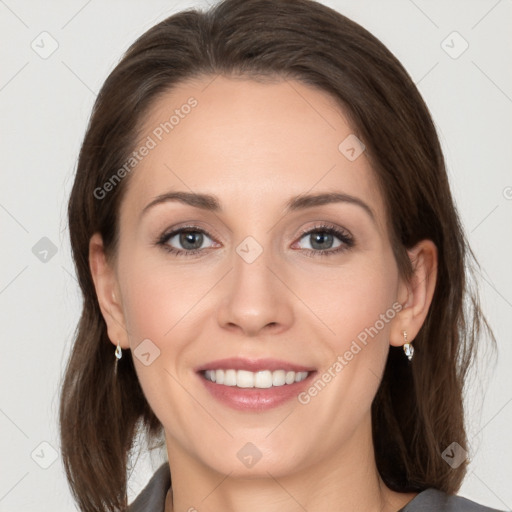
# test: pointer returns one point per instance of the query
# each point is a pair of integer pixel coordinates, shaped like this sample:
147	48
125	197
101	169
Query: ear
107	291
416	296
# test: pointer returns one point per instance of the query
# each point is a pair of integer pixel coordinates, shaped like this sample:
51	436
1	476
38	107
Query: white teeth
262	379
211	375
278	378
230	378
244	379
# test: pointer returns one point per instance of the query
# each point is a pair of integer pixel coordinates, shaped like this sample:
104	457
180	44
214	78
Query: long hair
418	409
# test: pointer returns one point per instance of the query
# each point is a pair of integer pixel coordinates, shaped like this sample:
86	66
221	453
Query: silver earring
408	348
118	353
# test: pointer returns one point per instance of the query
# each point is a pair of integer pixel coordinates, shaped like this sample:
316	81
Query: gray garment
152	498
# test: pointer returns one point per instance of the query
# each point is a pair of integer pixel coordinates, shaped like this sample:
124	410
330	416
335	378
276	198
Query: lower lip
255	399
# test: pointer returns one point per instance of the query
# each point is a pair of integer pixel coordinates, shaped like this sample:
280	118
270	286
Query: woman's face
251	281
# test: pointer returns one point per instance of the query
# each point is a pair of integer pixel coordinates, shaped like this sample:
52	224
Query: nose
256	300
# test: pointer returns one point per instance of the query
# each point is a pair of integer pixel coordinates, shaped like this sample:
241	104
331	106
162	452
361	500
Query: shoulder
434	499
152	497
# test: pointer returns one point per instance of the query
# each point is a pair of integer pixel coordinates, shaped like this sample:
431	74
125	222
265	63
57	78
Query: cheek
358	309
156	305
157	299
148	306
358	301
360	315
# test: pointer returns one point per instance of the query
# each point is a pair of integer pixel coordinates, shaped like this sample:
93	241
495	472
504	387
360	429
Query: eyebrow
211	202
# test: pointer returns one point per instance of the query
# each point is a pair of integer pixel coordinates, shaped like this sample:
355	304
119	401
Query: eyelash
346	239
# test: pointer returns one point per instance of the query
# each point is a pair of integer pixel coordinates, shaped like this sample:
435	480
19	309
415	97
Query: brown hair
418	409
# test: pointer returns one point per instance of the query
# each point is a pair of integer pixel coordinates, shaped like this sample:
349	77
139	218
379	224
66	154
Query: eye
322	240
190	240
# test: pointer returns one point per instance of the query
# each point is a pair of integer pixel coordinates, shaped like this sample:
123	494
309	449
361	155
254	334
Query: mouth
248	384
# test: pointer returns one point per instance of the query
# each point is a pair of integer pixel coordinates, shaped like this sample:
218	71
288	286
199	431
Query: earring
118	353
408	348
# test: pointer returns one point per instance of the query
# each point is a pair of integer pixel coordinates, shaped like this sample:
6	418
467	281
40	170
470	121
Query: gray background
45	104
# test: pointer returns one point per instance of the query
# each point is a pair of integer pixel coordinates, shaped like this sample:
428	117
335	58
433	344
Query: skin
256	145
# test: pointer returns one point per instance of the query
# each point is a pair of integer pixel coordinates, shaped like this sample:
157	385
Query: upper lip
253	365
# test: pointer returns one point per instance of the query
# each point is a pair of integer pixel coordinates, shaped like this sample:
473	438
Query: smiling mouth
263	379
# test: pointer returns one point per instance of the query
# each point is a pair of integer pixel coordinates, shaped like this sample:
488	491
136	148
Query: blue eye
322	239
190	238
323	235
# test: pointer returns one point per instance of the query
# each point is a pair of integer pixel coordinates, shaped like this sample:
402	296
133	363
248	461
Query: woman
273	273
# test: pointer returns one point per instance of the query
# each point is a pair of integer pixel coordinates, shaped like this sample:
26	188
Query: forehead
249	142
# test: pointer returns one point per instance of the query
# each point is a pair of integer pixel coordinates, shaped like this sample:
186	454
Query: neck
347	480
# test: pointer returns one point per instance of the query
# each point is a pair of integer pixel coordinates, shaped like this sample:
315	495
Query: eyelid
191	226
327	226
